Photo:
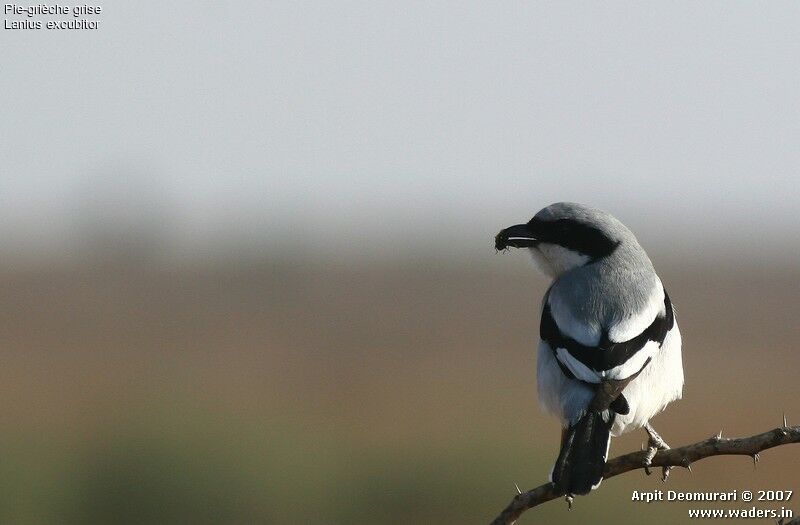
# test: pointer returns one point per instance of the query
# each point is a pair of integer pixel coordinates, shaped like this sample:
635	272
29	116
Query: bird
609	354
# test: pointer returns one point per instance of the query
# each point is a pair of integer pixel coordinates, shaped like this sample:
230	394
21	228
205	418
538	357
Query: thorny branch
678	457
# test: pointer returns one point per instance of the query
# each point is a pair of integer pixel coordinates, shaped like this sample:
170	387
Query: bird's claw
654	444
665	473
648	458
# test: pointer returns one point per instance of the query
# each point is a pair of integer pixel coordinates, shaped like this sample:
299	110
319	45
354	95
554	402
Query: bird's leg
654	443
655	439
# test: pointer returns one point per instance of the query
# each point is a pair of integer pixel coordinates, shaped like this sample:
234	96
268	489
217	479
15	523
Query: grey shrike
609	350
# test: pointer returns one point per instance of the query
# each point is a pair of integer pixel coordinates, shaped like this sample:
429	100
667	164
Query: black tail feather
582	458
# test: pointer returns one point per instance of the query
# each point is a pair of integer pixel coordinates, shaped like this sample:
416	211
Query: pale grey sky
354	122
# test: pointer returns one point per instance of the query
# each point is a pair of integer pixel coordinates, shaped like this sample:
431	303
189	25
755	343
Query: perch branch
676	457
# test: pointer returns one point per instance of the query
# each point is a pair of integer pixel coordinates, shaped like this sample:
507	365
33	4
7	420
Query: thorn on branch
517	487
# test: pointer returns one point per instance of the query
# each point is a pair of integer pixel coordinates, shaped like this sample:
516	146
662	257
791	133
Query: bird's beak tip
501	241
518	236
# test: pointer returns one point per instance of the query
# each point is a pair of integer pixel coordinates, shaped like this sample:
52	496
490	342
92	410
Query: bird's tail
584	450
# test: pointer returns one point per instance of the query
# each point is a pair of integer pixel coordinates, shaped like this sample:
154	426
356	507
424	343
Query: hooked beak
519	236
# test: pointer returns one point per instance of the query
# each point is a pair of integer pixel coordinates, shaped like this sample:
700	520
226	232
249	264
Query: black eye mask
573	235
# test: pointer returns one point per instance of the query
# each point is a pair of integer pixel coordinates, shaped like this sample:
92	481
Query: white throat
553	260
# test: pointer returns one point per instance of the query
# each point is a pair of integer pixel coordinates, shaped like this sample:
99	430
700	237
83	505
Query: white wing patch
578	369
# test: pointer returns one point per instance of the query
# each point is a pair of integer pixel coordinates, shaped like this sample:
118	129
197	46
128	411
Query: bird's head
565	236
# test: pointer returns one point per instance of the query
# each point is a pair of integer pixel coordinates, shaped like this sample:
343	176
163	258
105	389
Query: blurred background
247	272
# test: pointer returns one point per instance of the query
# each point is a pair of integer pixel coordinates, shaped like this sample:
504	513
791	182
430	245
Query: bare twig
678	457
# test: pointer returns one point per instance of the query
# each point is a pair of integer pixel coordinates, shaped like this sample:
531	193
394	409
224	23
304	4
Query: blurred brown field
286	391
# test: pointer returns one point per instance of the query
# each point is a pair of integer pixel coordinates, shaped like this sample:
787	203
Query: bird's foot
655	443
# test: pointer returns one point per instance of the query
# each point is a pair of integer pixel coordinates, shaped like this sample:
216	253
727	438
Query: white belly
659	384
